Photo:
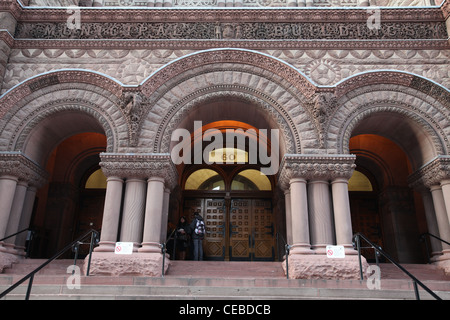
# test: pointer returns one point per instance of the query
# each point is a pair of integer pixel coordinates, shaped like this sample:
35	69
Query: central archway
228	189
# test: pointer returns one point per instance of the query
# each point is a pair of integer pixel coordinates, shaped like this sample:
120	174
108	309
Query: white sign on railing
124	248
334	252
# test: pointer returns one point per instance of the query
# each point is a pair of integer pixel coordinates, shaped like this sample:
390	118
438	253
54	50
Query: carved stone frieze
143	166
18	165
239	30
431	174
315	167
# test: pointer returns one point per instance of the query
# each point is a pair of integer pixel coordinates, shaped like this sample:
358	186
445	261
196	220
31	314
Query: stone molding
315	167
201	30
18	165
114	44
140	166
431	173
224	14
7	38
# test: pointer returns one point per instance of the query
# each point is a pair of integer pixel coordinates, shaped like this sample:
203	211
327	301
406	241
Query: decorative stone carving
323	105
142	166
308	167
244	30
431	174
134	105
18	165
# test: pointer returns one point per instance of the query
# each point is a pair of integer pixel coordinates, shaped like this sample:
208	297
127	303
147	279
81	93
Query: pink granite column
430	215
299	217
441	216
15	215
111	215
133	212
7	190
165	215
25	218
320	215
153	215
342	216
445	185
287	198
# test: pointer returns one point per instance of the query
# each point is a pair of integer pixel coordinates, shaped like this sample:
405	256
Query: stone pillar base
322	267
136	264
7	259
443	262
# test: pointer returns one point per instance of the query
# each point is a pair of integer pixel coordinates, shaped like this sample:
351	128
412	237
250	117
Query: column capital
140	166
324	167
18	165
431	173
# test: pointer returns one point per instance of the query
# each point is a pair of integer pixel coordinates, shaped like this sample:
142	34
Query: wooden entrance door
251	230
240	229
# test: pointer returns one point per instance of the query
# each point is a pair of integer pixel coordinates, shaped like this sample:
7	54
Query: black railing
423	237
27	251
357	238
287	248
94	239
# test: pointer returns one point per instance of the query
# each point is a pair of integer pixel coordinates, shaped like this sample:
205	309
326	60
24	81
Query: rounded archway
383	207
229	189
72	201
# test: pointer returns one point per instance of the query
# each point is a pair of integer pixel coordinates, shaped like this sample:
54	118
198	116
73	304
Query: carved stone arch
428	126
415	98
80	92
105	120
289	132
226	56
36	86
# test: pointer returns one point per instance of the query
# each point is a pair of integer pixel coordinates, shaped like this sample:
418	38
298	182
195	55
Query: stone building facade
352	89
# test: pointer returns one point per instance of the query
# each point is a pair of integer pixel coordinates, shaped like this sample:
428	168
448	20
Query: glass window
251	179
359	182
97	180
204	179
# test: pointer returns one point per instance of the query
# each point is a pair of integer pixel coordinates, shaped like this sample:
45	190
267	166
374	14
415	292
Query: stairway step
208	292
226	269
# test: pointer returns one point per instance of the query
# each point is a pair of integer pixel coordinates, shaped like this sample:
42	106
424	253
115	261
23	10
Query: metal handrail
416	281
287	249
94	235
14	234
422	237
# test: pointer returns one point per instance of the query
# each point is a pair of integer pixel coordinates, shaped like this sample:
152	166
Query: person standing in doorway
197	228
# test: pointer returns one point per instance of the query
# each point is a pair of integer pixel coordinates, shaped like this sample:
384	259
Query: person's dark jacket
192	226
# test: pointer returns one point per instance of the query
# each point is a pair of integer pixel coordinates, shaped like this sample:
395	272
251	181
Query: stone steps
178	288
219	280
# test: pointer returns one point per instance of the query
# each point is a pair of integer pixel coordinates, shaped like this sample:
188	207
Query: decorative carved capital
18	165
315	167
431	174
144	166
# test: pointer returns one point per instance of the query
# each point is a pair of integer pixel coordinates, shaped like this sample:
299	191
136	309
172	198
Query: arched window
204	179
251	179
359	182
97	180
